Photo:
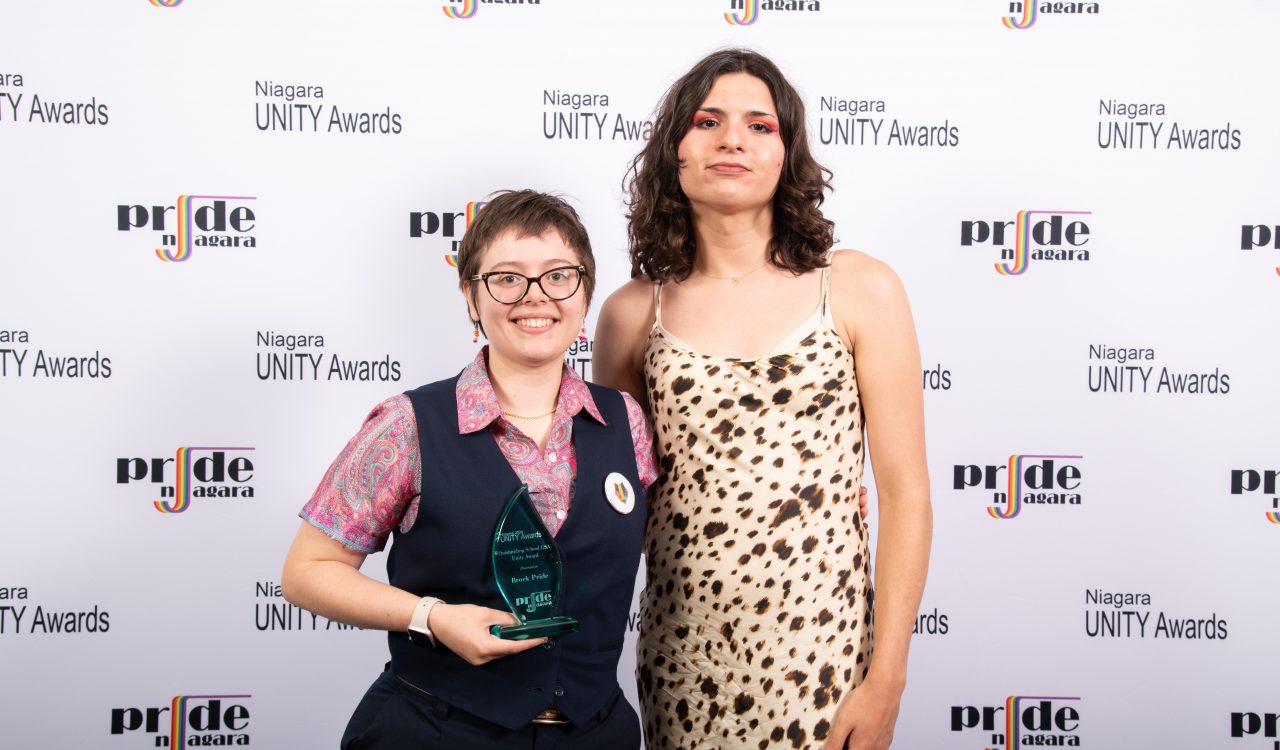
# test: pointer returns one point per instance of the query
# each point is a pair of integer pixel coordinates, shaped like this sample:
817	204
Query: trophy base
548	628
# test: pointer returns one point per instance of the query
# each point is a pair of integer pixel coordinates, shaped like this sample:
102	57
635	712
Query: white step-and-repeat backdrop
225	233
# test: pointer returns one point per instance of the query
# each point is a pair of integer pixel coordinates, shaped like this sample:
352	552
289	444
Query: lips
728	167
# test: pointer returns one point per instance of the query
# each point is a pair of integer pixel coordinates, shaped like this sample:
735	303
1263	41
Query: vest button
550	644
559	691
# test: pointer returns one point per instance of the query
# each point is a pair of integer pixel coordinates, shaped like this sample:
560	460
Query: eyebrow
722	113
553	263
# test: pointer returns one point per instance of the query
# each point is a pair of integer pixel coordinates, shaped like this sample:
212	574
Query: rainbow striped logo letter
1028	18
749	15
468	10
473	208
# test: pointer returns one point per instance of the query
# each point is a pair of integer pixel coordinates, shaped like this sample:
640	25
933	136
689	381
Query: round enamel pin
618	491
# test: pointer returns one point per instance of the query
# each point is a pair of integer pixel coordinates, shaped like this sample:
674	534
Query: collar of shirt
478	405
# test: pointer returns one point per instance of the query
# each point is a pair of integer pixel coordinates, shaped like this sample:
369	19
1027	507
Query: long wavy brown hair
659	221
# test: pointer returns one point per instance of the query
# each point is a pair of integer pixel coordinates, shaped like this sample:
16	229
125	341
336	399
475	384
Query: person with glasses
434	467
762	356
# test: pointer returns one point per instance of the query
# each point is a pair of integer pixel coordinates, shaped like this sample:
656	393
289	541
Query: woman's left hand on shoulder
865	718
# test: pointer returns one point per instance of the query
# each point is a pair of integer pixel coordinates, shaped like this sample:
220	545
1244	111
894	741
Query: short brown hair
528	213
659	221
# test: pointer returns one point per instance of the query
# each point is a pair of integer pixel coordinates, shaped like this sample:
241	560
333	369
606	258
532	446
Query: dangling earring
475	335
582	334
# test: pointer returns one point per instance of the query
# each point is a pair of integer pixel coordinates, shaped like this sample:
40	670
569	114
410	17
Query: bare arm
872	307
323	576
621	332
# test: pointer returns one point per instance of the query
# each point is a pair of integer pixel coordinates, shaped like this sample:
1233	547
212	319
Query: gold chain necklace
506	413
735	279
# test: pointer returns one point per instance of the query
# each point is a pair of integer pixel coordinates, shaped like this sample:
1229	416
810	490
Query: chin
540	352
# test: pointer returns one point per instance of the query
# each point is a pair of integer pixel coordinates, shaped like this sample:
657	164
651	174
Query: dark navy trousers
395	715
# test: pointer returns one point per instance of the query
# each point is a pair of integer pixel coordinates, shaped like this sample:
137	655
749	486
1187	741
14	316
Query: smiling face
732	156
537	330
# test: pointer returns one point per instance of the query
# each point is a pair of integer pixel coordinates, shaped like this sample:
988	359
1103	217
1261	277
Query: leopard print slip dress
756	614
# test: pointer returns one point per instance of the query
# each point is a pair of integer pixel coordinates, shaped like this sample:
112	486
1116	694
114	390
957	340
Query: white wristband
419	623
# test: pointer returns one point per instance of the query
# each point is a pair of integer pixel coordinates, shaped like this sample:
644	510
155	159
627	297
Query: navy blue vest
465	484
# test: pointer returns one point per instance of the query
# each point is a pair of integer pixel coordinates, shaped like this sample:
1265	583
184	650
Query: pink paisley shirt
375	483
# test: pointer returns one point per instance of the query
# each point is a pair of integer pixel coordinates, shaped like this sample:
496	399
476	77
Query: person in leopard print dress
770	366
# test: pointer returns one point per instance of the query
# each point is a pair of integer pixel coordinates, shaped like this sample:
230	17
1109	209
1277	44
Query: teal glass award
529	572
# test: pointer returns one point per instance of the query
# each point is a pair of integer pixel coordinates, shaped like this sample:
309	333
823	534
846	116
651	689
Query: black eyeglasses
509	287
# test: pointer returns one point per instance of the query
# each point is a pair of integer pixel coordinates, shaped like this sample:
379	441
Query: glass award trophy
529	573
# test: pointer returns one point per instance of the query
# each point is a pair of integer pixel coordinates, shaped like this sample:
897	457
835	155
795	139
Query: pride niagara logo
191	720
1030	479
1050	237
213	476
1026	721
213	224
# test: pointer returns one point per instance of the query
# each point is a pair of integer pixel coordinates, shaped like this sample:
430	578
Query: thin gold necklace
506	413
734	279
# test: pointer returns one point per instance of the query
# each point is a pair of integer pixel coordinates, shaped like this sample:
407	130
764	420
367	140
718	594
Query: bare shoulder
623	327
871	312
863	282
630	306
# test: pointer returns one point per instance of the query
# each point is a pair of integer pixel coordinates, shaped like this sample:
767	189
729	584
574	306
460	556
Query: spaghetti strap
657	303
827	320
